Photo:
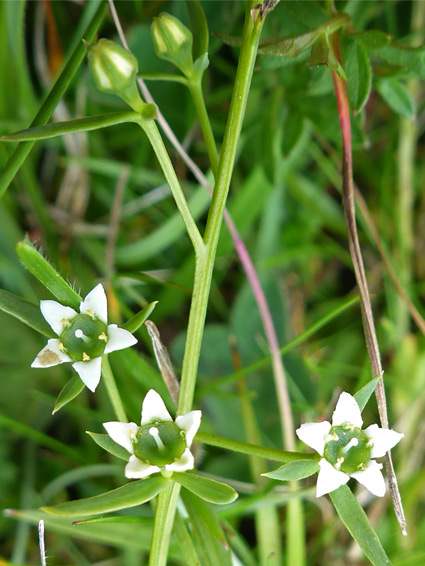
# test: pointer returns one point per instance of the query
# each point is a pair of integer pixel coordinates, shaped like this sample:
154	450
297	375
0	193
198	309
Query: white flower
347	450
83	337
159	444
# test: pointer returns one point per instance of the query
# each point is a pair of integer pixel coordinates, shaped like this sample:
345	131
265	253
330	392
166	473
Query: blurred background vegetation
285	200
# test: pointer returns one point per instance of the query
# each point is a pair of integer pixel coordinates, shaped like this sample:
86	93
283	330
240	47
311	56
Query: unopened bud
173	42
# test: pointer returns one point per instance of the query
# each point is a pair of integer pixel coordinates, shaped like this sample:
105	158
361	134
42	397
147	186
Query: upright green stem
112	389
195	88
164	518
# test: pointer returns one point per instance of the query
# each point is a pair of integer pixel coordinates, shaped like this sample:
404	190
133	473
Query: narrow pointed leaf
364	394
397	96
115	519
410	58
354	518
71	389
106	442
56	92
359	74
26	312
198	27
129	495
137	320
47	275
71	126
206	488
372	39
294	470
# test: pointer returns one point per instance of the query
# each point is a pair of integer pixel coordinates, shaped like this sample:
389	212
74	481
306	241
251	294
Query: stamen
90	312
332	436
86	358
353	442
103	337
80	334
154	432
61	347
339	461
65	321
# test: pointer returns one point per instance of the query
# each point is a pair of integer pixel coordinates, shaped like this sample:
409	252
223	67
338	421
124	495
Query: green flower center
159	443
84	338
347	448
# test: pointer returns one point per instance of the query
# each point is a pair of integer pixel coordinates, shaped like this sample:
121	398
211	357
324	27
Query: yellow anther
86	358
103	337
91	313
65	321
61	347
339	461
333	436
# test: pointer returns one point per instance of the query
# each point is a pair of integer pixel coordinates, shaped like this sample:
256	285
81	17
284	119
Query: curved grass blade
206	488
56	92
47	275
138	319
354	518
70	390
106	442
25	311
71	126
129	495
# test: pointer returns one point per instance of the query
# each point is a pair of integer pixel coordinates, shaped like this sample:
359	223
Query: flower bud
114	71
173	42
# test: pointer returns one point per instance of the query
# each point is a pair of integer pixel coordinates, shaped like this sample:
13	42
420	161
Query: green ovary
159	443
84	338
347	448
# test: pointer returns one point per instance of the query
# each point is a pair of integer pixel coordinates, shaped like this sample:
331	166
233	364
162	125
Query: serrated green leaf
138	319
206	488
73	126
70	390
129	495
47	275
372	39
106	442
199	28
322	53
294	470
357	523
396	95
25	311
359	74
363	395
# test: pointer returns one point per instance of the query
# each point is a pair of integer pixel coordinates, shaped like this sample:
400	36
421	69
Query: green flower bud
348	449
114	70
173	42
159	443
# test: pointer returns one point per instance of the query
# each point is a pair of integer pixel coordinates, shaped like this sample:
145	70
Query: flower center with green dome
347	448
159	443
84	338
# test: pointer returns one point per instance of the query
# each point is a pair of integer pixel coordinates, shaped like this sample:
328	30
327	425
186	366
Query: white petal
89	372
329	478
56	314
96	302
372	478
383	439
136	469
190	423
314	435
154	409
185	462
122	433
50	355
347	411
118	339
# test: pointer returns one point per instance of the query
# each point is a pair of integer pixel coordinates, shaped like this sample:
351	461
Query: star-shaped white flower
159	444
346	450
83	337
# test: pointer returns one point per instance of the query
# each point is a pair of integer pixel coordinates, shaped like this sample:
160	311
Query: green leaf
106	442
71	389
357	523
55	94
322	53
359	74
211	544
138	319
47	275
411	58
26	312
363	395
397	96
199	28
115	519
206	488
294	470
72	126
371	39
129	495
